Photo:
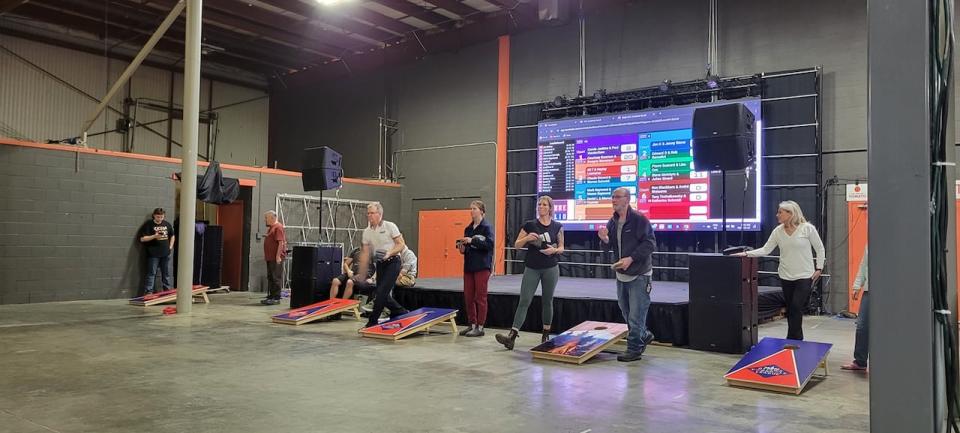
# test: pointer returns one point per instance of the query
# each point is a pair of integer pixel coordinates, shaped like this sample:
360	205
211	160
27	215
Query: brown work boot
508	340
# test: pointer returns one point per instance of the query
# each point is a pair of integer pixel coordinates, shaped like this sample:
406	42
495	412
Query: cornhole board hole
318	311
781	365
421	319
199	295
580	343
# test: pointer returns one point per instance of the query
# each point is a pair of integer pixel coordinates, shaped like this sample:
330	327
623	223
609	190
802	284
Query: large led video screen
580	161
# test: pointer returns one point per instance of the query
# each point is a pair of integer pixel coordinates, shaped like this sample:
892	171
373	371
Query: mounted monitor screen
580	161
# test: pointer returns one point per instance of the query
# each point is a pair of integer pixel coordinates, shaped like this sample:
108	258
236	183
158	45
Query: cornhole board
580	343
781	365
199	293
318	311
421	319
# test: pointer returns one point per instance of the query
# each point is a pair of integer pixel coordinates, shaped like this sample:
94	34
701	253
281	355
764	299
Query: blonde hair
549	201
796	213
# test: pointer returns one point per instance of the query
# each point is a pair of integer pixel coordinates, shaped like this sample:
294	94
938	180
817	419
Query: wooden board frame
353	306
448	318
199	294
585	357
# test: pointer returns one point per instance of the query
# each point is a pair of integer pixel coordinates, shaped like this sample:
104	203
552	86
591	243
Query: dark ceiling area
277	39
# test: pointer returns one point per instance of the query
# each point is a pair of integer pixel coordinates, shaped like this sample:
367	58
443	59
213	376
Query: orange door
439	231
230	217
857	228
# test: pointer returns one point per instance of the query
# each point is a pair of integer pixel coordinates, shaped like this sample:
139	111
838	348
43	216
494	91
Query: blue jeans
166	272
861	348
634	302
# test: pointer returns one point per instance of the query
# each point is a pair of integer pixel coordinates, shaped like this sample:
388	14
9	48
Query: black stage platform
575	300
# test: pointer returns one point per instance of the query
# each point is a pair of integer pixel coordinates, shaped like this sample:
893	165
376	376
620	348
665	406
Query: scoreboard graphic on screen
581	161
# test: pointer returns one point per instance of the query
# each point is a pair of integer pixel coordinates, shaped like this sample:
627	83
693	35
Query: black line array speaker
208	255
311	270
322	169
724	137
723	303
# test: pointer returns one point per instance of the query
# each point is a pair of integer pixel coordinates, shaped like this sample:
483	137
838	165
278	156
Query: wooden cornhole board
421	319
580	343
781	365
318	311
199	294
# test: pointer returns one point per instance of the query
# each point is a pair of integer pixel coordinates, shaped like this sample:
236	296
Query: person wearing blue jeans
630	236
861	348
158	237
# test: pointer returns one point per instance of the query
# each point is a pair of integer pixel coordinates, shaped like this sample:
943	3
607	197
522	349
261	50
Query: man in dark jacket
630	236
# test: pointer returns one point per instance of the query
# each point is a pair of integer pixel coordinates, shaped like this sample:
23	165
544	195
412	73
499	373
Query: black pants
274	271
387	273
797	295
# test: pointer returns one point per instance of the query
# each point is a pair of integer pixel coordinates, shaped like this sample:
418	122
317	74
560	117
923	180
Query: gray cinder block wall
68	234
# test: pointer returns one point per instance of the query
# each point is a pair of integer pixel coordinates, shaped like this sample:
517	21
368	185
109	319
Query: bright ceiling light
331	2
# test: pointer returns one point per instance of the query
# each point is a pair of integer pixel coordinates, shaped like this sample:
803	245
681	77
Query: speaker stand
723	210
320	224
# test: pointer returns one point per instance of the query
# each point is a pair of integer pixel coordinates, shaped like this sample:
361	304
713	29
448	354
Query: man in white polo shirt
383	242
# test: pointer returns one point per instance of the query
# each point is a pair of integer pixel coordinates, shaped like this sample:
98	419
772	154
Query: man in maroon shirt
274	250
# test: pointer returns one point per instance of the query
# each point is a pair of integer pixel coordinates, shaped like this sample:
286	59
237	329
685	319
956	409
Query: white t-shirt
381	238
796	251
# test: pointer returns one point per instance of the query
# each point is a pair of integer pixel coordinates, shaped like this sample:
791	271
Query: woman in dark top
543	239
477	249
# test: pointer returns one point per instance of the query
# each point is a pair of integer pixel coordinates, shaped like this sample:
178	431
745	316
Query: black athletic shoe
630	356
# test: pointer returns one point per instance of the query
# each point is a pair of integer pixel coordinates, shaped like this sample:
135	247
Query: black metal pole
723	210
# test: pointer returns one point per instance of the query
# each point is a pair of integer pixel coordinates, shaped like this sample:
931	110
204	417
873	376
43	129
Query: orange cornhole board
199	293
318	311
421	319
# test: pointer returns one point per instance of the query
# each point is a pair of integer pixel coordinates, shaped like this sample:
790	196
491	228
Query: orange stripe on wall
503	99
142	157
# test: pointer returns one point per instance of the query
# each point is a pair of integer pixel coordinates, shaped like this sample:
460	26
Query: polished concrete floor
104	366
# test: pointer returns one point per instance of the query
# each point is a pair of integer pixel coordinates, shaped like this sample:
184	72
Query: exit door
230	217
439	231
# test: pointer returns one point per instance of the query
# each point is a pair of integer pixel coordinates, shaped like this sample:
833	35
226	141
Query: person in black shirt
158	237
543	239
477	249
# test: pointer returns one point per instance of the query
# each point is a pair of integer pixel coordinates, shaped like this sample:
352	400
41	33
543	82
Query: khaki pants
406	281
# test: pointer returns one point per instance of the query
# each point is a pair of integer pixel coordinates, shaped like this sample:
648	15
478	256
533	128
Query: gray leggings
546	278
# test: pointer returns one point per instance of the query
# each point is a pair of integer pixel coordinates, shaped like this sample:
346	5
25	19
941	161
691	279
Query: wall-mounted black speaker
322	169
724	137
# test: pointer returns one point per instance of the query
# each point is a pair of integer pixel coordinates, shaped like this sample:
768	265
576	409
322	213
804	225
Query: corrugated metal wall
43	86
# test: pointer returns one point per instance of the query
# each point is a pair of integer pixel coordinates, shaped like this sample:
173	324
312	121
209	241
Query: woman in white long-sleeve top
796	239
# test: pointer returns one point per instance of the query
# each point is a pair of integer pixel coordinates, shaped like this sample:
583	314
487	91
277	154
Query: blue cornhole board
779	364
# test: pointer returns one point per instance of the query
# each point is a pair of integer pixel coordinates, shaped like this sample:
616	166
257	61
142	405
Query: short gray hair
624	190
375	205
270	212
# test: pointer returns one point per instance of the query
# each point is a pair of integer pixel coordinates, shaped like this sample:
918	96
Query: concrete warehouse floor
104	366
